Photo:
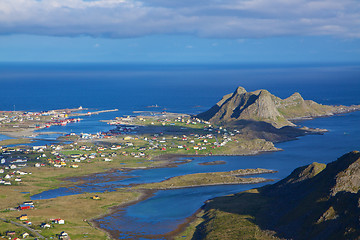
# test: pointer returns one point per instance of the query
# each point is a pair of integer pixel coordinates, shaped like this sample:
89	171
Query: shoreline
209	185
179	229
144	194
240	175
148	193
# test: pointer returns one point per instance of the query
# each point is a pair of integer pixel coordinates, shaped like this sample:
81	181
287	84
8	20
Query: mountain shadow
317	201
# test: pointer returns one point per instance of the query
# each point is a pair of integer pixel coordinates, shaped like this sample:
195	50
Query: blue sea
178	88
189	89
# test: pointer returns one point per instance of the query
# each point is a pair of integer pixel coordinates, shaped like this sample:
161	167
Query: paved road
24	226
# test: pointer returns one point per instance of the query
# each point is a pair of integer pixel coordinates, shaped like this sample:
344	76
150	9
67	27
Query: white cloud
212	18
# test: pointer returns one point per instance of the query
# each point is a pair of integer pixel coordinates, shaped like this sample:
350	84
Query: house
59	221
25	235
64	235
26	206
10	233
23	217
96	197
45	225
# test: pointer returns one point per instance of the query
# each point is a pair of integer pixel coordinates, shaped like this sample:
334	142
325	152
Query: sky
187	31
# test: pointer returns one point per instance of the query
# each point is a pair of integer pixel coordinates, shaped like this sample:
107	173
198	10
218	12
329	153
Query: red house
26	206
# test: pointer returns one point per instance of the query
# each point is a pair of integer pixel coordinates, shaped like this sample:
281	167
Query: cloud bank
208	19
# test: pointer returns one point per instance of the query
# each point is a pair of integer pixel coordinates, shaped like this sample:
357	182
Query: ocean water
178	88
189	89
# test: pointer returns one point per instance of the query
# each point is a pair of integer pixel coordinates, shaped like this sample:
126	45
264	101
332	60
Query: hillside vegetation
316	201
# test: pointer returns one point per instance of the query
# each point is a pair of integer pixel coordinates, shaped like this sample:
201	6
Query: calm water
189	89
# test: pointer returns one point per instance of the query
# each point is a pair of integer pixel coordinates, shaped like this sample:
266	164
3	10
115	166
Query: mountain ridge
261	105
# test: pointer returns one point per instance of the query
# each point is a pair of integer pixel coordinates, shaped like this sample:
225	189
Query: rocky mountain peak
261	105
240	90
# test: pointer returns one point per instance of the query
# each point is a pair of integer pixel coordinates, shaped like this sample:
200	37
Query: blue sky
156	31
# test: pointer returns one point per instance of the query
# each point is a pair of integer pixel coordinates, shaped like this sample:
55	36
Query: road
24	226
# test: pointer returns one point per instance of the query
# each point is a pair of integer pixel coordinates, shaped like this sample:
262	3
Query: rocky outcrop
261	105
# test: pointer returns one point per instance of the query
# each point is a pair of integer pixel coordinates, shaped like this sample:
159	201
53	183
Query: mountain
316	201
261	105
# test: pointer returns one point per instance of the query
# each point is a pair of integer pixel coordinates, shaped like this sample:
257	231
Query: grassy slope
227	218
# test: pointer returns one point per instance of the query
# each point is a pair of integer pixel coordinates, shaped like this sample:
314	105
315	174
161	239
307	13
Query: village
37	120
135	142
124	141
